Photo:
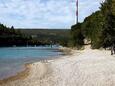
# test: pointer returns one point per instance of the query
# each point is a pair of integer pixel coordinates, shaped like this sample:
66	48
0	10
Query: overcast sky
45	13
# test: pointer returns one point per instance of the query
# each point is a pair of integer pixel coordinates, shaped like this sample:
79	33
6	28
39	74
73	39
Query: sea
13	59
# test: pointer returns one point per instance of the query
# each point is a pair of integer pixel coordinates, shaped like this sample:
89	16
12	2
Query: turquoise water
12	59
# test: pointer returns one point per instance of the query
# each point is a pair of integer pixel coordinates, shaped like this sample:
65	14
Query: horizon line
42	28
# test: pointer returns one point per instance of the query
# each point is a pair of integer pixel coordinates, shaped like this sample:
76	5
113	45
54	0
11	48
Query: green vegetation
99	27
31	37
48	36
77	36
11	37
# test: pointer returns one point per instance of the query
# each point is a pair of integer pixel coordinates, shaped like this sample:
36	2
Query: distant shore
82	68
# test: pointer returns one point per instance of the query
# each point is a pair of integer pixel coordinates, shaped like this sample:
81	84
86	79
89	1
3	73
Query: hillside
12	37
22	37
60	36
98	28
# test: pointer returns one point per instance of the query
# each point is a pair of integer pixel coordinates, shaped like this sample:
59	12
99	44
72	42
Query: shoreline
26	72
83	68
19	75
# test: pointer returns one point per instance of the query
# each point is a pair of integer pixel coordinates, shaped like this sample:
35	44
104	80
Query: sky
45	13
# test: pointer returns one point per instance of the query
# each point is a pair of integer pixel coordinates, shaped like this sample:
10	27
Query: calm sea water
12	59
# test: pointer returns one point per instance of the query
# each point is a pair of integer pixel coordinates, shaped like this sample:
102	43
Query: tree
77	36
92	29
12	29
99	27
109	23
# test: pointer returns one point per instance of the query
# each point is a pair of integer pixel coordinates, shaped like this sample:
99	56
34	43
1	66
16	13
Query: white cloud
45	13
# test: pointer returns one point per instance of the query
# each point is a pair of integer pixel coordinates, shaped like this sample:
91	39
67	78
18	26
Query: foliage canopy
99	27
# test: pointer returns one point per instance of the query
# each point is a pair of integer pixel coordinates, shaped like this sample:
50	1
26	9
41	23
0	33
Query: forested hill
56	36
11	37
23	37
98	28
